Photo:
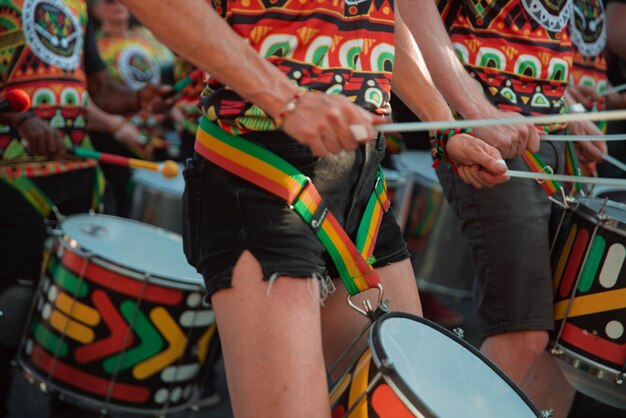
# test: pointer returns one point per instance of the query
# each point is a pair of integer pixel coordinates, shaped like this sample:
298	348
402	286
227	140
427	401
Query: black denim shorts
225	215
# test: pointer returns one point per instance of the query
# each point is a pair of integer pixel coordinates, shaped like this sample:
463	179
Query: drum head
442	374
614	210
420	163
155	180
131	244
616	194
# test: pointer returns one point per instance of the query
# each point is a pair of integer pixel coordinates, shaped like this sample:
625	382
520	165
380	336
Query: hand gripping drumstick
168	169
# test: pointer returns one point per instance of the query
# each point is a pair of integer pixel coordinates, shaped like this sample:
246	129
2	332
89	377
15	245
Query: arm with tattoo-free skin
477	161
455	84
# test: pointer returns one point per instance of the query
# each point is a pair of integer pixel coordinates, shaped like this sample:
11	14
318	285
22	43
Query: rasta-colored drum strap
41	203
265	169
537	165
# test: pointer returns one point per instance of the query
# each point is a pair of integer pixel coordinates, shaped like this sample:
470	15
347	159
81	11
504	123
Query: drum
590	298
616	194
118	322
415	368
440	256
156	200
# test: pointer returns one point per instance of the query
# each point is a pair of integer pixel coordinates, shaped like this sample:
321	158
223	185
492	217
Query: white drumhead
155	180
135	245
448	378
419	163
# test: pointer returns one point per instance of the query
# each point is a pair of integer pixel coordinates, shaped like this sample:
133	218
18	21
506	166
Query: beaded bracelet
441	137
289	107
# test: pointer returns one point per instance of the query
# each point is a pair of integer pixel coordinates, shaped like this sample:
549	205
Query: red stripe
573	264
122	284
87	382
118	329
252	176
599	347
114	159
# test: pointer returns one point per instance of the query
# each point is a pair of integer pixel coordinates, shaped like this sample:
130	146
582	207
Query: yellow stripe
77	310
71	328
359	384
560	267
203	342
591	304
246	160
359	282
177	342
339	388
365	252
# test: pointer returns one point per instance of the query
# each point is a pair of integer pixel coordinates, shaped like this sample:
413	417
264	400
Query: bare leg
522	356
272	344
341	324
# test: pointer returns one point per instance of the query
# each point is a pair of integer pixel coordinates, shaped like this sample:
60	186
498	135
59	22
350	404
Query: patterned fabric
130	60
41	52
589	41
519	51
188	100
341	47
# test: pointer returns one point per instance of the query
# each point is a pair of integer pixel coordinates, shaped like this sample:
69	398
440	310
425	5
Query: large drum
415	368
156	200
590	298
440	256
118	322
616	194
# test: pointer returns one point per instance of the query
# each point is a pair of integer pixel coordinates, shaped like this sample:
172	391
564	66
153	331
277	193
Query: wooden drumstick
168	169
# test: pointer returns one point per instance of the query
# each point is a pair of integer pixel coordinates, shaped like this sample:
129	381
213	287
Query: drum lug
547	413
459	333
619	379
556	352
382	306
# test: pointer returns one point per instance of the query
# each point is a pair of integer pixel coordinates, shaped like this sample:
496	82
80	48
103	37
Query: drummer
37	178
519	68
266	273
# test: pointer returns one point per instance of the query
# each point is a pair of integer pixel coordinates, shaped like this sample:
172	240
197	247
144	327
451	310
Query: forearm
411	81
616	31
111	96
201	36
101	121
452	80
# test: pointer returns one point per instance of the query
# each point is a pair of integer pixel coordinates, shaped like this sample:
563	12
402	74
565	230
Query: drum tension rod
619	379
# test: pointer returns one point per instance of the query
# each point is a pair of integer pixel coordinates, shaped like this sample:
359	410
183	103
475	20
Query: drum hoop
588	213
96	405
154	189
575	360
379	357
119	268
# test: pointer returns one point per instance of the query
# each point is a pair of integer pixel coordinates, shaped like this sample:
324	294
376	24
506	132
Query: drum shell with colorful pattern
589	281
109	335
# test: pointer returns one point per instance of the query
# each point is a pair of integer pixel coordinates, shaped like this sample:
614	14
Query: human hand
478	163
510	140
585	95
329	123
587	151
40	138
156	98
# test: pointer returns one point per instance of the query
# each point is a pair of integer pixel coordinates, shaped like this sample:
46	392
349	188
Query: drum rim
592	367
142	186
93	404
589	213
379	357
121	268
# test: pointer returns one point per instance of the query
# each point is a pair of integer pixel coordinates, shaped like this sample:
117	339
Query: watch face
53	33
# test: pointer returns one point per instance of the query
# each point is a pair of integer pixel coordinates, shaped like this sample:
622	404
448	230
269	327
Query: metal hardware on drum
459	332
368	310
548	413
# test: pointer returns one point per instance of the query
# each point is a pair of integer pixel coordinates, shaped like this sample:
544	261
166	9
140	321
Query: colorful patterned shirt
589	41
519	51
340	47
46	49
130	60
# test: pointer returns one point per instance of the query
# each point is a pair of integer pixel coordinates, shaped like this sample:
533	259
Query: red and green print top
589	41
129	59
340	47
42	44
519	51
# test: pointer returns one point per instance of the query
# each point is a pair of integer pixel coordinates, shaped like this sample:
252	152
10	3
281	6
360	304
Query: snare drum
157	200
118	322
616	194
440	256
590	298
415	368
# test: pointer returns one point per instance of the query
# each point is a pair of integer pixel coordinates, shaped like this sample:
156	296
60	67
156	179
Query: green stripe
69	281
48	340
590	269
346	276
362	235
151	341
252	149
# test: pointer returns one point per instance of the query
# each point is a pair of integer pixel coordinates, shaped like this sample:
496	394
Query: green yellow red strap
265	169
571	166
32	194
537	165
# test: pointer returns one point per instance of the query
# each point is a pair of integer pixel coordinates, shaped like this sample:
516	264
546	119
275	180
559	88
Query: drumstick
168	169
592	138
567	179
474	123
617	163
612	90
195	75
